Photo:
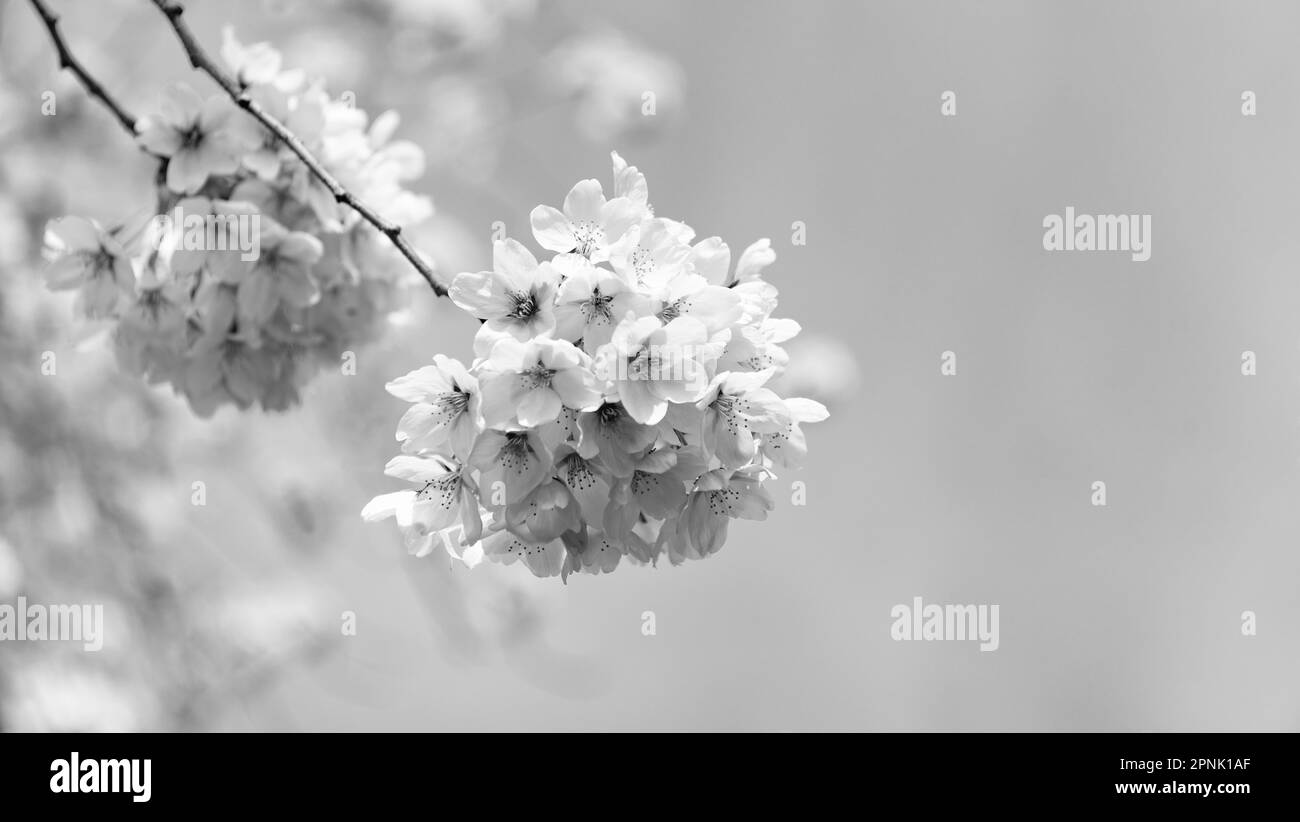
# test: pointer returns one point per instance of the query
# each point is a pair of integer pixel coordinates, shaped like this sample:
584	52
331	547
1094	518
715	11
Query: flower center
539	376
576	473
598	306
642	263
100	262
724	503
643	482
152	302
192	137
586	236
640	366
516	452
525	305
451	405
671	311
610	414
442	490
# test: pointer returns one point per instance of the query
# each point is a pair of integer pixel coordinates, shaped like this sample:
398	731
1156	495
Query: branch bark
69	62
200	60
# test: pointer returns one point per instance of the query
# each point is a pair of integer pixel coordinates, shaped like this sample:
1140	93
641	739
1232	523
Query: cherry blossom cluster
250	276
617	405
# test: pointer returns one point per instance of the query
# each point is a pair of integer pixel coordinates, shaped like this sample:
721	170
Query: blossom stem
200	60
71	63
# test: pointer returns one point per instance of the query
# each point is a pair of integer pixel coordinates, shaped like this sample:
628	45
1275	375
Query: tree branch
200	60
67	61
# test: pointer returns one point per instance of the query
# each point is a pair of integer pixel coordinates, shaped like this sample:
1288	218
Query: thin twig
200	60
67	61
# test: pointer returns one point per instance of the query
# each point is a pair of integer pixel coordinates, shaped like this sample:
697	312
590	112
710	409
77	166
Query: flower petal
551	229
538	406
585	202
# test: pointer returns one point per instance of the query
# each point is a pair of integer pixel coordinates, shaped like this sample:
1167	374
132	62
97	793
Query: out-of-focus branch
200	60
69	62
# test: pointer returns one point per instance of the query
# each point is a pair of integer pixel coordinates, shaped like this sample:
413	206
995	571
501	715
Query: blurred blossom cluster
618	401
11	571
485	66
60	696
454	26
828	369
463	115
250	276
87	510
623	90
